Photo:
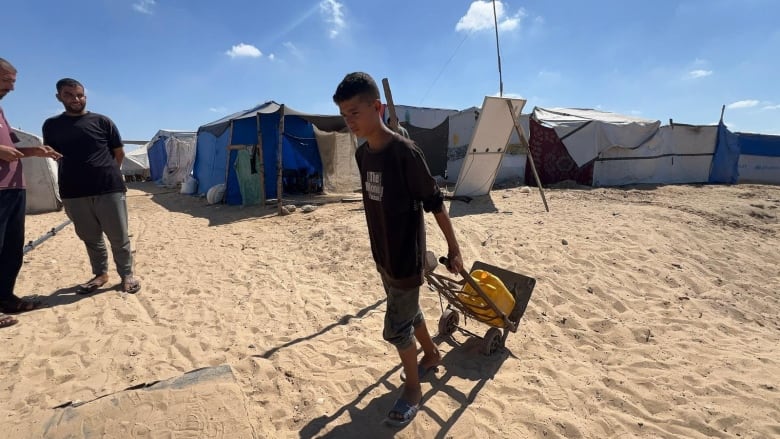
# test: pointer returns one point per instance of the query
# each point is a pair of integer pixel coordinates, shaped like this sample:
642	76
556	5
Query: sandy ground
655	314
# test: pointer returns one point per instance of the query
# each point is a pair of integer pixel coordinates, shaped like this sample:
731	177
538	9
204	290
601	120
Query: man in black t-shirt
91	184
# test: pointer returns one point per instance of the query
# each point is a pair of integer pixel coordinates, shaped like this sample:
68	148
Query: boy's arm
453	250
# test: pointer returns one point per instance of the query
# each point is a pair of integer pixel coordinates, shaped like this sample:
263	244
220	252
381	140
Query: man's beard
75	108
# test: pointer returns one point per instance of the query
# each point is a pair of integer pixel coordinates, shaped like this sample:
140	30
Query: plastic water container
493	288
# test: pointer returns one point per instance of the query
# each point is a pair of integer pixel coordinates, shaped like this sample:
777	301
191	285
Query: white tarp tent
677	154
136	164
40	175
488	144
586	133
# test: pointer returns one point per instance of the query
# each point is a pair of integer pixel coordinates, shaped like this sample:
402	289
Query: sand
655	314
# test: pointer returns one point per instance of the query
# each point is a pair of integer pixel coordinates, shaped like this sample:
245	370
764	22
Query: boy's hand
10	154
455	262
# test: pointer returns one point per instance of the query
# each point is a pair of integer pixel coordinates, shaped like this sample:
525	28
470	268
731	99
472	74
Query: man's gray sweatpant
96	215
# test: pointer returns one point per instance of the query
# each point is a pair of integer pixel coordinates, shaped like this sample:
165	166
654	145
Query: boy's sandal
6	320
402	413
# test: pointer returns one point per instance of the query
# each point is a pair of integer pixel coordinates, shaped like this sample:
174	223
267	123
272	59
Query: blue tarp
213	164
158	157
725	161
759	144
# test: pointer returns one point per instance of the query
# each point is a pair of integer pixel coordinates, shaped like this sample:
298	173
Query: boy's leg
431	356
402	317
82	212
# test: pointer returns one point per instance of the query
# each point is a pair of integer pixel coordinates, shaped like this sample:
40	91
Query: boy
396	184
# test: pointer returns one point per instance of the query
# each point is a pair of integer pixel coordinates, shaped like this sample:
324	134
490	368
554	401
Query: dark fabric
12	202
87	144
552	160
433	143
397	186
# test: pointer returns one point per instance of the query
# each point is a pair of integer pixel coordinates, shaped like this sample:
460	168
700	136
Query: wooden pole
227	161
390	105
523	139
279	166
259	162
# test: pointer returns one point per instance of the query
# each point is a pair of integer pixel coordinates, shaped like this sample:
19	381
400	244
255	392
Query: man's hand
48	151
10	154
41	151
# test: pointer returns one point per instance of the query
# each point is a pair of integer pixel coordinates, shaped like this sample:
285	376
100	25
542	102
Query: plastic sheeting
339	167
250	177
586	133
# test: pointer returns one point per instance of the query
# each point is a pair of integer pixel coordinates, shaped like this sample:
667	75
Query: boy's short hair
356	84
67	82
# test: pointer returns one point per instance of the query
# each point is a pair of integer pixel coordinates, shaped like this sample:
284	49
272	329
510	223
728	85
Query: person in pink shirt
12	206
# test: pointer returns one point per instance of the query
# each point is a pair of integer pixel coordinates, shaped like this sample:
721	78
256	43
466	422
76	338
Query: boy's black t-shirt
87	144
396	183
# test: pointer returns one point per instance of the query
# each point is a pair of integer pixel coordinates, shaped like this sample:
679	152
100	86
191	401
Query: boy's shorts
402	316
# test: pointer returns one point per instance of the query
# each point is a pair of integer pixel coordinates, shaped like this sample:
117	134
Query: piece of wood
523	139
279	166
390	105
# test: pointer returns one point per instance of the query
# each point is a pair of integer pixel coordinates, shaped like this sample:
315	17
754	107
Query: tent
135	166
599	148
40	175
171	156
241	151
759	158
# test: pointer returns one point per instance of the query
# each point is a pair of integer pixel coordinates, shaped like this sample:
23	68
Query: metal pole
32	244
498	52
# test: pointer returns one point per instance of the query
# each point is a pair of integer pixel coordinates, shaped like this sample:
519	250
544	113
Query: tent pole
227	161
279	167
259	152
524	140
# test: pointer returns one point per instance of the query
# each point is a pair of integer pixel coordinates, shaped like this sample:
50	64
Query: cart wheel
448	322
492	341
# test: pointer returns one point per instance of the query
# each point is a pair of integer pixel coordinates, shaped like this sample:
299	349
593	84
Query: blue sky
177	64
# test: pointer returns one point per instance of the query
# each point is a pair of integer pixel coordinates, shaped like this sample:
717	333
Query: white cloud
271	56
144	6
331	10
244	51
771	107
480	17
748	103
218	109
695	74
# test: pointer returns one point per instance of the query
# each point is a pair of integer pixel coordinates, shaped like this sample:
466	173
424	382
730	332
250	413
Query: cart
501	324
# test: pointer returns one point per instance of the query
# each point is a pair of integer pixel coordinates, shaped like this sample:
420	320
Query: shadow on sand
367	420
